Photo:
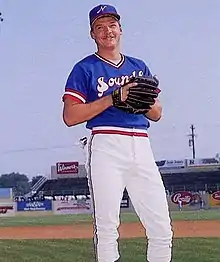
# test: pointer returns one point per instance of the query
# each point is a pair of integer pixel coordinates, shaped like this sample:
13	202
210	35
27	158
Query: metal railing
39	183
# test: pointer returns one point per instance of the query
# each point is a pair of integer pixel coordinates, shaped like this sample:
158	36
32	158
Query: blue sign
5	192
45	205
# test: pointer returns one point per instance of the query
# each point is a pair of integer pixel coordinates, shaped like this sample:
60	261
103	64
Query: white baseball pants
119	158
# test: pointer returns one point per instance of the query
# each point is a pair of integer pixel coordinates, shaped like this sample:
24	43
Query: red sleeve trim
72	98
75	92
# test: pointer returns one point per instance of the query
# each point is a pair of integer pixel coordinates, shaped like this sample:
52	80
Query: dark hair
91	28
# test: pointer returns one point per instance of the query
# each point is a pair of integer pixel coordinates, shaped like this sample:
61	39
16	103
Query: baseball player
119	150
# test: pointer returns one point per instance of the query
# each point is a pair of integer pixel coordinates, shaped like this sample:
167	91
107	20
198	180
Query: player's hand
125	90
121	93
155	113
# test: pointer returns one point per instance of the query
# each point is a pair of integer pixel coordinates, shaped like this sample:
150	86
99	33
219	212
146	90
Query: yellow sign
214	199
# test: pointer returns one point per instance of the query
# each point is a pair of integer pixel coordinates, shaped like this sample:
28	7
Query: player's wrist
155	113
109	100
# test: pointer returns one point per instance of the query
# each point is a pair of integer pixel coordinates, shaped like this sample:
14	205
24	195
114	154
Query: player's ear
120	28
92	34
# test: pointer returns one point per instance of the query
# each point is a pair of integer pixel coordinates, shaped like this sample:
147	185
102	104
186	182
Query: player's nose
107	29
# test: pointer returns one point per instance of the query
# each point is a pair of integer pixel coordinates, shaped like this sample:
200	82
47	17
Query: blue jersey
94	77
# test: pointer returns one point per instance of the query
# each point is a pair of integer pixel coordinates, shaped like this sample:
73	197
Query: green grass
79	219
212	214
45	220
190	250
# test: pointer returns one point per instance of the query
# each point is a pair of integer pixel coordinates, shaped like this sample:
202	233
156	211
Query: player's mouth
110	40
109	37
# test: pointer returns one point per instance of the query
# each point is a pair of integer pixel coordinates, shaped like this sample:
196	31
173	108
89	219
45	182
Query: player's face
106	31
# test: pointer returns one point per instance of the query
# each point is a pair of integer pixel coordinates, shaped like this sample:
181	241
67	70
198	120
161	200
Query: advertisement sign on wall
203	162
67	167
125	203
7	209
183	196
170	164
214	199
80	206
45	205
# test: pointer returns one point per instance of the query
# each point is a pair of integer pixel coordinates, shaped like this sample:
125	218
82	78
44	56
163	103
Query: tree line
19	183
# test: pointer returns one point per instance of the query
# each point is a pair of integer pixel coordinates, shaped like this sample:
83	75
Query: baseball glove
140	98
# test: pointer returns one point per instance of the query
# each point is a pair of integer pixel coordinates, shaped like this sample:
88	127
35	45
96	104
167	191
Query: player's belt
119	131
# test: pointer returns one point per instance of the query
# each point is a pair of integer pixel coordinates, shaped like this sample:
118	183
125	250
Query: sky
40	41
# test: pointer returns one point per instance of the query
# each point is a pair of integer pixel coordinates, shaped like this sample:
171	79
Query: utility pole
1	18
192	140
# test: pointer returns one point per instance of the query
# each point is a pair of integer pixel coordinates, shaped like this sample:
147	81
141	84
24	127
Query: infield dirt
126	230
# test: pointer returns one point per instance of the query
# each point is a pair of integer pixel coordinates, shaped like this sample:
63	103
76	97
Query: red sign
4	209
67	167
184	196
216	195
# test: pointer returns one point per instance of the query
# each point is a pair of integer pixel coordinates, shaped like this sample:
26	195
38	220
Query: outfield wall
50	207
178	201
7	205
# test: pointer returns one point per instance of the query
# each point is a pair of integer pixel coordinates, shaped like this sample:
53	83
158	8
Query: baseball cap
102	10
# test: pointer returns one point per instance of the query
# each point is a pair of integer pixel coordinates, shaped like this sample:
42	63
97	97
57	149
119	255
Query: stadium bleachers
65	186
191	181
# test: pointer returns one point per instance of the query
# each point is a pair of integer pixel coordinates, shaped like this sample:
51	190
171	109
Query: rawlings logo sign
216	195
184	197
67	167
